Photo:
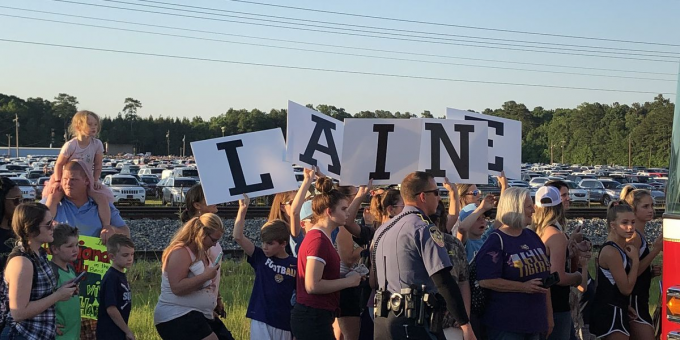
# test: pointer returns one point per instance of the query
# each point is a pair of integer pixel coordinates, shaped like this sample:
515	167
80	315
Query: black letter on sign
324	126
240	186
462	162
382	130
497	165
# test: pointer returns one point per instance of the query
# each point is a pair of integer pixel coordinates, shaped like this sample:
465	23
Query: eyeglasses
49	225
473	193
213	239
15	200
433	191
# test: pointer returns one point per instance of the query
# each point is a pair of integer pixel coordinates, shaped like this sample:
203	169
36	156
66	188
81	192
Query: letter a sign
314	139
250	163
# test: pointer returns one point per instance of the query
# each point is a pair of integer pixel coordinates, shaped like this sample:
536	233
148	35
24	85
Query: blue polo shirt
86	218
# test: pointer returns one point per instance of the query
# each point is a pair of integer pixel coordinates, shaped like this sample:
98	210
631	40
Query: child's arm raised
239	223
354	207
299	199
113	312
55	181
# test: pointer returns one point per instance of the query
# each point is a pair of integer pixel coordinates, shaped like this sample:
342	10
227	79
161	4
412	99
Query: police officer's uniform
407	254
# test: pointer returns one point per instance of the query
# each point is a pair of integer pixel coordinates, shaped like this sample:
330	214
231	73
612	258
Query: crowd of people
411	268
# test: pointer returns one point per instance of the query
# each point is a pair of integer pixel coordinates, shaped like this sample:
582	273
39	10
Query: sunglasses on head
473	193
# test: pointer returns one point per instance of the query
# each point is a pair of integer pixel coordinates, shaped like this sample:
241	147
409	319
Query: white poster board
504	144
385	150
455	149
250	163
313	139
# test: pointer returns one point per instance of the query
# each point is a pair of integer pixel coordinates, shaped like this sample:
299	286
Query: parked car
151	171
595	189
27	189
577	195
39	186
175	189
159	186
186	172
659	197
33	175
612	190
129	169
538	182
518	183
490	187
149	183
126	189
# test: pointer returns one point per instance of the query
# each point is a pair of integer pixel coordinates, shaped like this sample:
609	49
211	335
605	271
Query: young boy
115	297
275	271
64	250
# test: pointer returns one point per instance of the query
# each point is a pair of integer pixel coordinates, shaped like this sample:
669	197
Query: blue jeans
495	334
563	326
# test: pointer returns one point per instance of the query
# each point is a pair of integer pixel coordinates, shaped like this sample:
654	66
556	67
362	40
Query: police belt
412	304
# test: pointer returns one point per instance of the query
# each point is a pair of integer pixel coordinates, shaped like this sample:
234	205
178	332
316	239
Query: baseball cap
306	211
548	197
466	211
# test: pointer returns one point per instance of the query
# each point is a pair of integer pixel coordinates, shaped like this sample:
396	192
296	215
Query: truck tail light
673	304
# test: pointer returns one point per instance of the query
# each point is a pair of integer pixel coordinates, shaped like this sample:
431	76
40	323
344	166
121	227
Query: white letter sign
385	150
505	141
454	149
250	163
313	139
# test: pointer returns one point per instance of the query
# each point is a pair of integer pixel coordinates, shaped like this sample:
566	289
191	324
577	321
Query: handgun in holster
436	306
411	297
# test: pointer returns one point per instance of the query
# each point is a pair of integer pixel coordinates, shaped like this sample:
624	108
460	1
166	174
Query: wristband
57	181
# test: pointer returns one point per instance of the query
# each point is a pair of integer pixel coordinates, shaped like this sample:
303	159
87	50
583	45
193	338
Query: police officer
411	266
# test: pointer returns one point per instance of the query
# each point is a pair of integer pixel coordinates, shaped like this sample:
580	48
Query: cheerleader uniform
639	299
609	312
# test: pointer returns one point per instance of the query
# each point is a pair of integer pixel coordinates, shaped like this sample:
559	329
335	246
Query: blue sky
176	88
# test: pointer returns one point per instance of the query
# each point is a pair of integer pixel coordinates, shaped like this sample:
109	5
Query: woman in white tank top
187	297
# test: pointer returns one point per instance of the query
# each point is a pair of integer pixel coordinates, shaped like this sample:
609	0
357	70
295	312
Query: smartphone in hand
218	259
80	278
551	280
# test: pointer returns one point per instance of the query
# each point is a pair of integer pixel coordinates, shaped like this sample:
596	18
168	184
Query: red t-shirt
316	246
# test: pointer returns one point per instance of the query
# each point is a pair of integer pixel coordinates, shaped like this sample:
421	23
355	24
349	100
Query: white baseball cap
547	196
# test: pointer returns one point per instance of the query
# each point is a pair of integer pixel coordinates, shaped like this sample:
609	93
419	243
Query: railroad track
132	212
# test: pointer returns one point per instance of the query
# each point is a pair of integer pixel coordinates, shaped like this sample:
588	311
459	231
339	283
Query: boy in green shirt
64	250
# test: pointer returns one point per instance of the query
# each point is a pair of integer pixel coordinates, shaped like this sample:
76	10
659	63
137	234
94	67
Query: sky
177	87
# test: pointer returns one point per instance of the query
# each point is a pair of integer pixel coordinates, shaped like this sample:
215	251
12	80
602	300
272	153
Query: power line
456	26
413	31
324	52
618	56
342	46
303	68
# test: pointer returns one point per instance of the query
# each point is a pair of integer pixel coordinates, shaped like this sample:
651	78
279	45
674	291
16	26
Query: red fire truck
670	325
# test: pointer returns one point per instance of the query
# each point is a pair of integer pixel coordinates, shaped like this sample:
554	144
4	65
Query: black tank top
644	280
559	295
607	292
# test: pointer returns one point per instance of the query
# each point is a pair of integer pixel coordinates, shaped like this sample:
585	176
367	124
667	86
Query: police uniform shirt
410	252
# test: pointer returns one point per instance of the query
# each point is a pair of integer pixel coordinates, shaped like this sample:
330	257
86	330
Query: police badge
437	236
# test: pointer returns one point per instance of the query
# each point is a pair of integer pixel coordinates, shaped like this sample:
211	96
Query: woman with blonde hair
187	300
548	223
512	264
643	208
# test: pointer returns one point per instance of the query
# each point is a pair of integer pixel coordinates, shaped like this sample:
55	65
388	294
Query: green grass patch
235	287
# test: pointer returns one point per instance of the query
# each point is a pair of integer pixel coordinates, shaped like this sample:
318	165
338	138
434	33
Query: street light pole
9	144
184	145
16	119
223	130
51	138
563	152
167	137
551	152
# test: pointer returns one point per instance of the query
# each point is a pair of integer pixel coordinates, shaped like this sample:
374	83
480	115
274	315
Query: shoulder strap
55	270
377	239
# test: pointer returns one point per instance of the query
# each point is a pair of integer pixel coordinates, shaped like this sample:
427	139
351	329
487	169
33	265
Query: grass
235	287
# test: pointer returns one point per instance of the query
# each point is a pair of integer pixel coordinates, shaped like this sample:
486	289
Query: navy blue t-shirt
114	291
272	290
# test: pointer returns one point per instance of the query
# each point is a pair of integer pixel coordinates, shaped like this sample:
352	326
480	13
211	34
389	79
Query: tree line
592	133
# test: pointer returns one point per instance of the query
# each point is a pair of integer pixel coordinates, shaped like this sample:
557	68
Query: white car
577	195
27	190
175	190
126	189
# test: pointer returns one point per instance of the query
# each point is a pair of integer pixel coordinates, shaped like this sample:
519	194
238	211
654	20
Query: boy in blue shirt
64	250
115	297
275	271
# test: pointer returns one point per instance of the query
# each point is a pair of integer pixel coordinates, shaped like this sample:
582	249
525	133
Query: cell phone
218	259
80	277
550	280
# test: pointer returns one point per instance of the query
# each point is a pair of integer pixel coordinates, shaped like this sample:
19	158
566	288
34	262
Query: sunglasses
473	193
434	191
49	225
213	239
15	200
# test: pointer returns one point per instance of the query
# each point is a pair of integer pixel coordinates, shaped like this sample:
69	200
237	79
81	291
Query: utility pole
16	119
167	137
630	153
223	130
563	152
649	161
184	145
9	145
551	152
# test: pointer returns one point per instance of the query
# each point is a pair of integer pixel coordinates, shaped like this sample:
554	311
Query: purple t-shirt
274	284
515	258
